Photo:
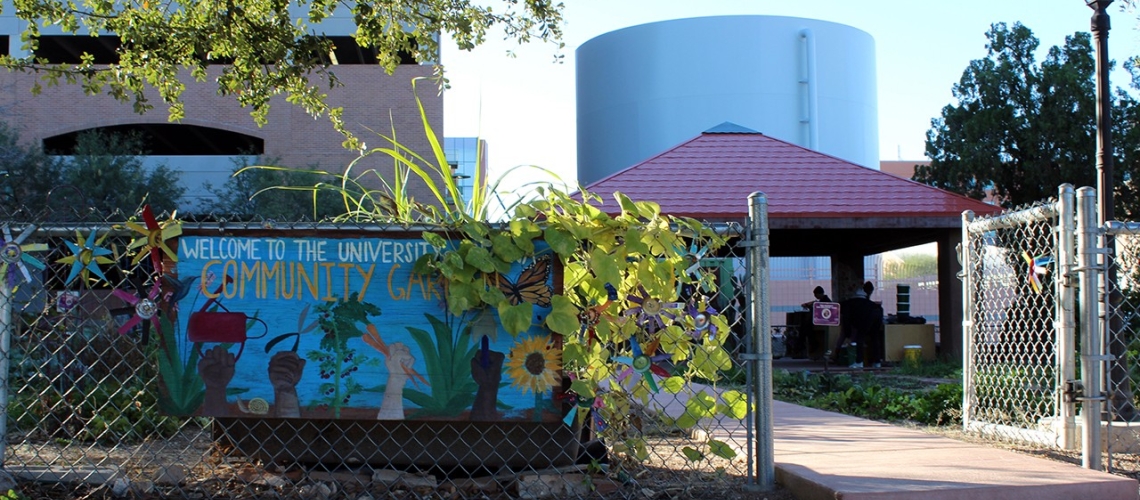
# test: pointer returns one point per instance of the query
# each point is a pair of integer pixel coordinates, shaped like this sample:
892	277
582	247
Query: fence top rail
1009	220
119	228
1116	227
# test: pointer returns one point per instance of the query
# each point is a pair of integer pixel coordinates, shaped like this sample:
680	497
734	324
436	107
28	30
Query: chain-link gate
1053	329
1121	423
88	417
1018	323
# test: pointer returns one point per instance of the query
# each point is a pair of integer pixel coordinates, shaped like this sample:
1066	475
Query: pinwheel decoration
146	310
584	407
154	238
651	312
14	257
591	316
701	313
692	258
641	365
85	258
1038	269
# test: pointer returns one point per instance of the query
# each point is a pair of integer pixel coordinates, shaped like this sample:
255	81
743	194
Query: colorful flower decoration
641	365
155	236
1038	269
591	316
146	309
701	313
534	365
586	407
14	255
66	300
693	258
85	258
651	312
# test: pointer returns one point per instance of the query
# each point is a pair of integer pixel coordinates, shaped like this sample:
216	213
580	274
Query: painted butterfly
532	284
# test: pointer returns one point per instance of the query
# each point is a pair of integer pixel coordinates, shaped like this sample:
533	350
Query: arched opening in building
168	139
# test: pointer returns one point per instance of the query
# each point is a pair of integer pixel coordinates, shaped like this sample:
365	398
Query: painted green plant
337	361
447	355
183	389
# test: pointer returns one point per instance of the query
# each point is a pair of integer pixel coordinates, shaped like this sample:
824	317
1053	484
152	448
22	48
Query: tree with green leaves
1020	129
105	173
27	175
265	48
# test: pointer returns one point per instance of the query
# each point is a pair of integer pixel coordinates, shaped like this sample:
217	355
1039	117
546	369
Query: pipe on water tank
808	94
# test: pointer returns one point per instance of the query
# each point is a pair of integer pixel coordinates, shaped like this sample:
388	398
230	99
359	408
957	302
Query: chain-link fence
1012	370
1121	423
106	384
1053	330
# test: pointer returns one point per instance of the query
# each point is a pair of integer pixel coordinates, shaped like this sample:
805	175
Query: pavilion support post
846	275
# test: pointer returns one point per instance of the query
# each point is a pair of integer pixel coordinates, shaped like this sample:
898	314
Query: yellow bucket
912	355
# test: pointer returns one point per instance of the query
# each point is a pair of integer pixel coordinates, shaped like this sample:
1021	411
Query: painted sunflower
534	365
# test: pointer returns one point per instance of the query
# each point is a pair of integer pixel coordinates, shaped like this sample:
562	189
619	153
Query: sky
523	103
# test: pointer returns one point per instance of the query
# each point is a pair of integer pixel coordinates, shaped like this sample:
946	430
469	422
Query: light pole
1100	27
1122	390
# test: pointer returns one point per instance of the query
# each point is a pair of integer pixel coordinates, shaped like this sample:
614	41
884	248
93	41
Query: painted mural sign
341	328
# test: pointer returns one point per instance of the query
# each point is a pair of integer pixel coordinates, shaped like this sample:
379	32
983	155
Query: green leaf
505	248
735	404
462	297
692	454
580	387
434	240
606	266
573	355
721	449
481	258
633	242
627	205
563	317
648	209
700	405
673	385
562	242
516	318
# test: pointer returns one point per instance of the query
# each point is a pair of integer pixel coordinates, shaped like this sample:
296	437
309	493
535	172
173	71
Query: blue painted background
274	278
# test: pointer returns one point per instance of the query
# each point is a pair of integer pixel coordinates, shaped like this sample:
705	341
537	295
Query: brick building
216	130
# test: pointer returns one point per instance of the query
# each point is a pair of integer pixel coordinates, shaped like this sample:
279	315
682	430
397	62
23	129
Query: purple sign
825	314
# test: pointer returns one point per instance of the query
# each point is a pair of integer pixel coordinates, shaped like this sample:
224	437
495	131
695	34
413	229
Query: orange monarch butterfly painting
532	284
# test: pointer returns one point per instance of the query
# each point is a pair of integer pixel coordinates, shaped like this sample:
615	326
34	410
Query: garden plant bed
190	465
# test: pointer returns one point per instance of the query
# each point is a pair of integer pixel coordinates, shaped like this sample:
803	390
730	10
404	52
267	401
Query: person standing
819	297
808	338
861	322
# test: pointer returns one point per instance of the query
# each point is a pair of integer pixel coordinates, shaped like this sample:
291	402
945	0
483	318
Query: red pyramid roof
711	176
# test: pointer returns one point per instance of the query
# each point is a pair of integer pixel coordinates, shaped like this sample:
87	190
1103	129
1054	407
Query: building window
69	49
167	139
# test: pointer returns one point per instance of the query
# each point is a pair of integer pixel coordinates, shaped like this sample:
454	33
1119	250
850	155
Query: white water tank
644	89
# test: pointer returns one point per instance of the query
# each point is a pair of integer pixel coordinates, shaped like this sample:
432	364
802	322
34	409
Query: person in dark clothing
807	338
819	297
861	322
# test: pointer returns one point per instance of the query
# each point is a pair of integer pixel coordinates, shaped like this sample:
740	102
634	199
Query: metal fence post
1091	346
965	256
1066	317
758	254
5	350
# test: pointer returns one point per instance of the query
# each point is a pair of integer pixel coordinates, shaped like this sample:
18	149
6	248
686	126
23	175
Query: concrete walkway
825	455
